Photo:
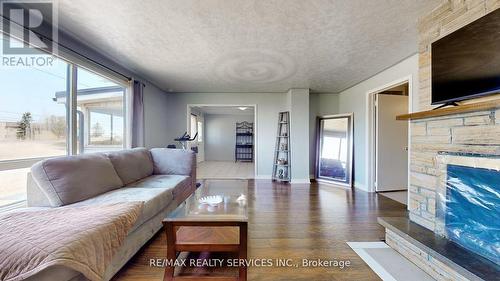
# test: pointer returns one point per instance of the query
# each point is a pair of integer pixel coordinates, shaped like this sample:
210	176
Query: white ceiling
225	110
249	45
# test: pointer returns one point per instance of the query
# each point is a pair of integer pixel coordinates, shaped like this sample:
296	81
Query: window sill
13	206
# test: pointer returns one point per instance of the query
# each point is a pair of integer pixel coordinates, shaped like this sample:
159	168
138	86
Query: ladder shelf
281	164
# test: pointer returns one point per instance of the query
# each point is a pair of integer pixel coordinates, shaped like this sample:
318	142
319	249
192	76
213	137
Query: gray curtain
138	114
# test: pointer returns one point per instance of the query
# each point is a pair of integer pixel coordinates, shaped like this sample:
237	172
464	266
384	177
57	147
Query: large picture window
101	103
35	114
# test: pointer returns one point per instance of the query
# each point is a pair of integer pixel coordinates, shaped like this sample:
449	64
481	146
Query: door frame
370	146
255	125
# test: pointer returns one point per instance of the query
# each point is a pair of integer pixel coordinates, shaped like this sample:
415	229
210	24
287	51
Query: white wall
268	105
220	135
354	100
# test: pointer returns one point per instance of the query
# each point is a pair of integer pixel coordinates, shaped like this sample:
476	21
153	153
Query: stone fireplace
468	200
476	133
453	158
452	233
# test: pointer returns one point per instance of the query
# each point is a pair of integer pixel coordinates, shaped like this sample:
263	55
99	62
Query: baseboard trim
361	187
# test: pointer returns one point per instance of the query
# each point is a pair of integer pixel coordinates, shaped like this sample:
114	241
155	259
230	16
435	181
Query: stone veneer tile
478	120
479	149
429	193
426	262
414	205
418	129
481	133
445	123
431	206
431	139
429	147
423	180
422	159
414	189
426	214
417	168
476	135
418	197
462	18
434	253
438	131
423	222
432	171
432	18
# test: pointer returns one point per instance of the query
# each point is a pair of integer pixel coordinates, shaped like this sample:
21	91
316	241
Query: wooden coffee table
196	227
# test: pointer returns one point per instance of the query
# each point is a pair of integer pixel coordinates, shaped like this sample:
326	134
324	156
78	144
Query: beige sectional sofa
161	178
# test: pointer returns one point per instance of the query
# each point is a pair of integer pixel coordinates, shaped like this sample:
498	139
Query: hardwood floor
300	221
225	170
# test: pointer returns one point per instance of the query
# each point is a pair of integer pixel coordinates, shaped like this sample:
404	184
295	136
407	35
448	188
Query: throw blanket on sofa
82	238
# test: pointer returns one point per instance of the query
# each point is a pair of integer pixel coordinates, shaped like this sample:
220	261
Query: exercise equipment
184	139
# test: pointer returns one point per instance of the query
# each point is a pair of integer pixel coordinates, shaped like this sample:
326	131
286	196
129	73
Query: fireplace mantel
486	105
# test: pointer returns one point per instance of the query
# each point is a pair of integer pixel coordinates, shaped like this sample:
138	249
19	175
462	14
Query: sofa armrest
167	161
35	197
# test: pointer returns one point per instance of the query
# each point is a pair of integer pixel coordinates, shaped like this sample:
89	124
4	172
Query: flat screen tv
466	63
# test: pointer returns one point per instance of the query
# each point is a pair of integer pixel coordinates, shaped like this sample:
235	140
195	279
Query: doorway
390	142
226	142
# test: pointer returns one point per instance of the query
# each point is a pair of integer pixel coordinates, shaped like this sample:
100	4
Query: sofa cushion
180	185
155	200
168	161
132	164
159	181
66	180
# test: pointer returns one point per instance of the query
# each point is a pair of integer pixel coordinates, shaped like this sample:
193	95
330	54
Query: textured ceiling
249	45
225	110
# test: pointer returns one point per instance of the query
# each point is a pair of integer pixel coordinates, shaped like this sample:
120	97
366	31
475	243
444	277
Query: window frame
127	106
74	62
199	130
195	129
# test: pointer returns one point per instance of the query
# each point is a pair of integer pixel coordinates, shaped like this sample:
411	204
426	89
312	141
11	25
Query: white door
391	143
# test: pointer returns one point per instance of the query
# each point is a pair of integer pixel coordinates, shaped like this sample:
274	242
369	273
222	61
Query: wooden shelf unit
478	106
282	171
244	149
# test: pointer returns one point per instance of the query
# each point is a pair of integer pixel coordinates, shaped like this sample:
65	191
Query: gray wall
354	100
268	105
319	105
155	117
220	135
298	104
